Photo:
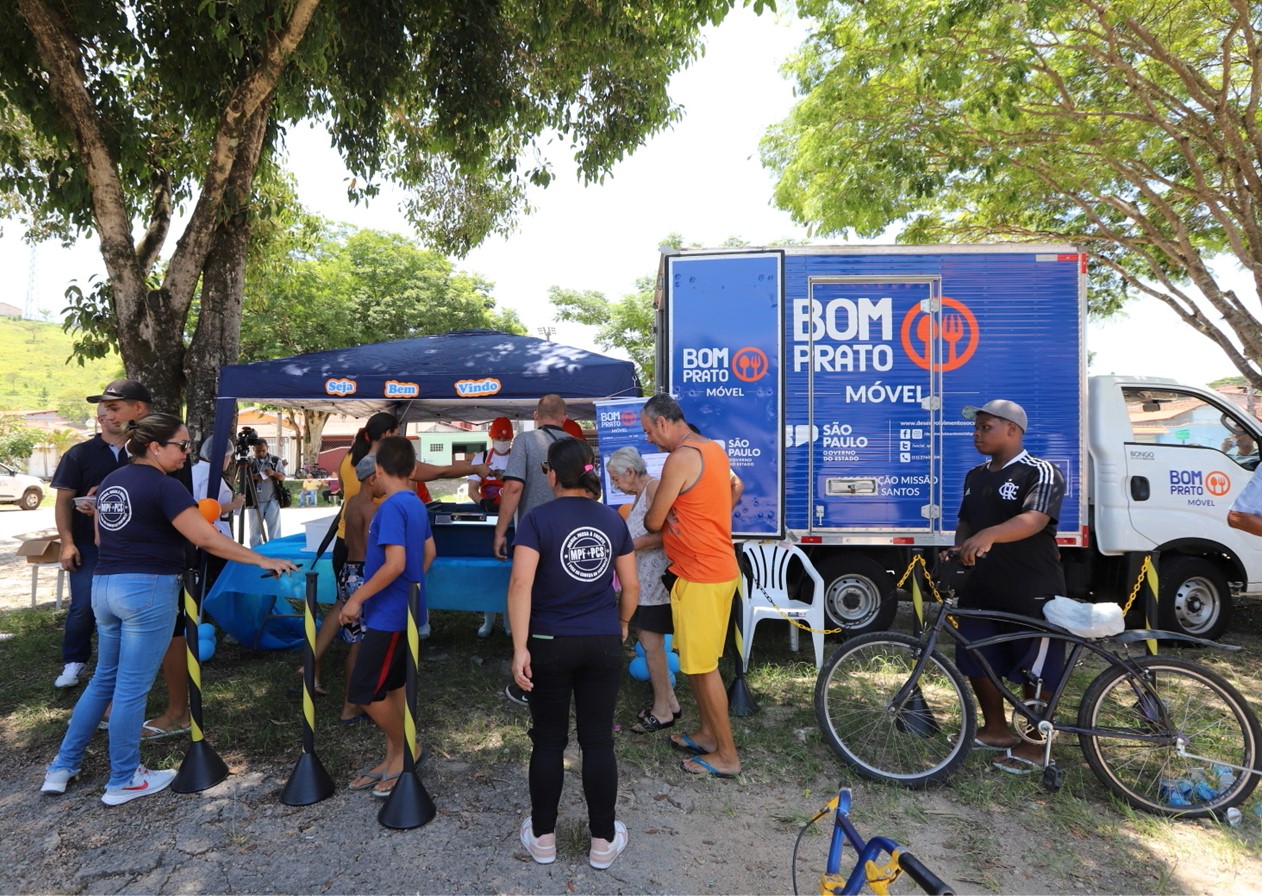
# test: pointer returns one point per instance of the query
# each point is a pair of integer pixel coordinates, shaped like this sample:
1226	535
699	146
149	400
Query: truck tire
31	499
1195	598
858	594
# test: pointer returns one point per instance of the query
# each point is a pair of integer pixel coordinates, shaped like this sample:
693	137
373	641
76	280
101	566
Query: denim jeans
134	618
271	518
590	668
76	643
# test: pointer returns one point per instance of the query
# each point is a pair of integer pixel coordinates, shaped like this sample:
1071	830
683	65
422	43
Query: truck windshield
1170	417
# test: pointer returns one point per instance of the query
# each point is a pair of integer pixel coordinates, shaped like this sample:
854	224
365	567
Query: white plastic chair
765	594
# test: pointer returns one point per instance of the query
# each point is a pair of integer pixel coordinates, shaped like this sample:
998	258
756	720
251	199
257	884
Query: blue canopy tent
471	375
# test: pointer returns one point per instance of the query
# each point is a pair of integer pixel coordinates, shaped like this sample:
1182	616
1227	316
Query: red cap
501	429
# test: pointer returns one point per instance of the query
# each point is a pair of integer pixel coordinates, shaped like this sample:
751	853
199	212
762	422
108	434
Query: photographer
267	472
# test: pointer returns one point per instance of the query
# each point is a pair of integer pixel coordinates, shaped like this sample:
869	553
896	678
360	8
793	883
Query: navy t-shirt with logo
578	540
134	508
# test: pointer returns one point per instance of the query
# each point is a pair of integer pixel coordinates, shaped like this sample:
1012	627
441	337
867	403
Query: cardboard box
40	547
315	532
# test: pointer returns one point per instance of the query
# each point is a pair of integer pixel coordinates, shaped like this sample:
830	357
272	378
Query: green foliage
17	442
626	324
1126	127
313	288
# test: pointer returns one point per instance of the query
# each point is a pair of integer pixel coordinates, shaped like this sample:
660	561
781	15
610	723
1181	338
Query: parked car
18	488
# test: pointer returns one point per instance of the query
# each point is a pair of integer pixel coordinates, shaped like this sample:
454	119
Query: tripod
246	486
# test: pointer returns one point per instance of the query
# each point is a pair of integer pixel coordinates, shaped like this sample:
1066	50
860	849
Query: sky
701	178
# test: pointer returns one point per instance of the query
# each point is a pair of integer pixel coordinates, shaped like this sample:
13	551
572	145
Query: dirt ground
686	835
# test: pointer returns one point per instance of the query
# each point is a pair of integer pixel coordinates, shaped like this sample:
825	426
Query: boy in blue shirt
399	551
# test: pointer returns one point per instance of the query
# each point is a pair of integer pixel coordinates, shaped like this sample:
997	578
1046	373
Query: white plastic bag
1083	619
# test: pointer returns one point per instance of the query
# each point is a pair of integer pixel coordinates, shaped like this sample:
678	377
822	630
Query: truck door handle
1139	488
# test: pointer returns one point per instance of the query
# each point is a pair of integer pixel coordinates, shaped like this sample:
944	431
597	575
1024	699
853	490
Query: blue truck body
837	378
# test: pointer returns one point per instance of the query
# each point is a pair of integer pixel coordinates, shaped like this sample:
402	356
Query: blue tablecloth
258	611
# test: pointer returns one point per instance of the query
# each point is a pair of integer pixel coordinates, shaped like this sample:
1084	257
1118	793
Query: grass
35	371
253	720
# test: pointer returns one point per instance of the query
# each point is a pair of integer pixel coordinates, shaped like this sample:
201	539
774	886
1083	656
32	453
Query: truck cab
1166	462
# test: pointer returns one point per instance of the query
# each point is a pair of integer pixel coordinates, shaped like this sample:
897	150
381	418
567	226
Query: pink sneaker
542	849
604	852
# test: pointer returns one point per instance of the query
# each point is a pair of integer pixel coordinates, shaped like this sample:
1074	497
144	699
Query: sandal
648	723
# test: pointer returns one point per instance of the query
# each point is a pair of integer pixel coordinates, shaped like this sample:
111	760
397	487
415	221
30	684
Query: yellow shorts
701	612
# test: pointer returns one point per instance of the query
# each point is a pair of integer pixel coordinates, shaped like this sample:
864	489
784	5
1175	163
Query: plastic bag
1085	620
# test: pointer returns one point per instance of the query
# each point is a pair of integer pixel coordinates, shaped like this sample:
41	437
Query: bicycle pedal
1053	778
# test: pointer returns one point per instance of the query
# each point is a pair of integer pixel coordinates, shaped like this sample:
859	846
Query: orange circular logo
1217	483
957	331
749	364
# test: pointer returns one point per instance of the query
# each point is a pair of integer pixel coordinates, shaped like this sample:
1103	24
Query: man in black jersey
1008	522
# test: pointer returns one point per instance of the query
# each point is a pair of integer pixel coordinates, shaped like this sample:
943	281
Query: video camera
247	438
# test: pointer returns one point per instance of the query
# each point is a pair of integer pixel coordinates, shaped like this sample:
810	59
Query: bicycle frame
866	871
1044	721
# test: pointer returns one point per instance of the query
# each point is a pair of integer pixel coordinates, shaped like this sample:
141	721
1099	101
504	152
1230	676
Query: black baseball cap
123	390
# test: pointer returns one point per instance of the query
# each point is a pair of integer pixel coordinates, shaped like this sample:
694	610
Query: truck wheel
859	594
31	499
1195	598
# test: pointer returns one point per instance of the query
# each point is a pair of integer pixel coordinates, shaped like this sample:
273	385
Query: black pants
590	668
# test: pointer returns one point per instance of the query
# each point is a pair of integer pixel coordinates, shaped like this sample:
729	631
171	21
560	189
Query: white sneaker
603	852
143	783
545	853
69	676
57	779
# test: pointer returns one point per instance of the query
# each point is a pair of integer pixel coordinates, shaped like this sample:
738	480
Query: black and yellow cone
309	782
202	767
409	805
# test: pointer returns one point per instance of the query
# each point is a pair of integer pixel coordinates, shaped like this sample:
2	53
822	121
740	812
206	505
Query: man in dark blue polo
79	472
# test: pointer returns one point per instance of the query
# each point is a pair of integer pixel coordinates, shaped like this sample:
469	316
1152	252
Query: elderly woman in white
653	616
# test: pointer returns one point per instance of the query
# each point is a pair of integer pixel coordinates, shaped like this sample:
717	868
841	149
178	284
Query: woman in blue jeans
143	518
568	628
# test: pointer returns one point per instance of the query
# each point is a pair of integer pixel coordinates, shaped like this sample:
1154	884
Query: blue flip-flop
688	745
697	760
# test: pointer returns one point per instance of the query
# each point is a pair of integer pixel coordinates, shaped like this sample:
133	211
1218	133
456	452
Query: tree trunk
217	339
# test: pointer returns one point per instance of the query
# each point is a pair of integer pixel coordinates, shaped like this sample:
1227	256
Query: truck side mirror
1140	490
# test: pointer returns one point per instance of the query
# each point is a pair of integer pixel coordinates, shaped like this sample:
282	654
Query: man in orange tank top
693	511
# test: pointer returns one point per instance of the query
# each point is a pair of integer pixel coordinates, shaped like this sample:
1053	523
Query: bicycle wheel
1200	710
922	741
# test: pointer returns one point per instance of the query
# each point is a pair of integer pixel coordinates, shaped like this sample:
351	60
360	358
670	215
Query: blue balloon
639	669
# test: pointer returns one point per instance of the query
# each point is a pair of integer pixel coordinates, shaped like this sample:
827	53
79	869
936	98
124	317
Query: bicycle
866	871
1164	734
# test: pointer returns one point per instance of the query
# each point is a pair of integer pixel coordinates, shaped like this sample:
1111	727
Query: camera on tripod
247	438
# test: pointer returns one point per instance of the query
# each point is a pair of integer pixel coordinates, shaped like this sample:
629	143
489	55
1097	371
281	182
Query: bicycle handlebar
928	881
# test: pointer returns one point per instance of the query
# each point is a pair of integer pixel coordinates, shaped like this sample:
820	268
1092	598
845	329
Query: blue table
258	613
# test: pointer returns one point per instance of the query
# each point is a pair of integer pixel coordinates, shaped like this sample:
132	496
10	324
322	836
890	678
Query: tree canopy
1128	128
113	113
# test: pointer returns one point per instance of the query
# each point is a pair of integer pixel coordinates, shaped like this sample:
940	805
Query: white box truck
836	377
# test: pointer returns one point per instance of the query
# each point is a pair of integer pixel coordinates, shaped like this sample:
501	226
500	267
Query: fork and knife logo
957	328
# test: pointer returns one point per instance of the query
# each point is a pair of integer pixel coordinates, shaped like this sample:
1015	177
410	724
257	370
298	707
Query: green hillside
35	372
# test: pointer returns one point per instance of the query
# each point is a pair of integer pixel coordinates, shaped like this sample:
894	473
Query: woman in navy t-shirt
568	628
143	519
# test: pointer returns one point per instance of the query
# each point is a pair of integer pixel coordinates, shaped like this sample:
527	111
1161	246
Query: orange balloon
210	509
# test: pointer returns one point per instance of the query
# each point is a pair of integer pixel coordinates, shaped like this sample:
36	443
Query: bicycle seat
1085	620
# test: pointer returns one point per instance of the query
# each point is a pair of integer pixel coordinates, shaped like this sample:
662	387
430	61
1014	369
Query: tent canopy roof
473	375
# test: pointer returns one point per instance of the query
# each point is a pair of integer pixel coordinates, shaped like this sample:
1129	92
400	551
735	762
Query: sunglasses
184	445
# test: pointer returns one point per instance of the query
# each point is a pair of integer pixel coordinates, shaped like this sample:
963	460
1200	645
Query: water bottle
1202	790
1175	791
1225	777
